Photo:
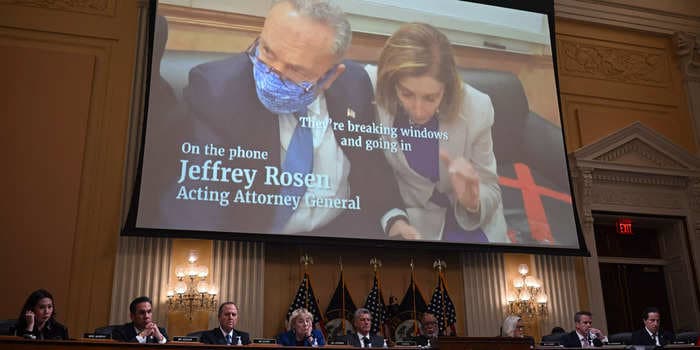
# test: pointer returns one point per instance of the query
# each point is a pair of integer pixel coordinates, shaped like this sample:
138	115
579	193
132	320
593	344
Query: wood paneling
284	273
610	78
70	67
46	94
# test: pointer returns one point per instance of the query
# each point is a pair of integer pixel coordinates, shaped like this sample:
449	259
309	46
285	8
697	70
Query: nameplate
614	343
264	341
681	342
406	343
549	343
96	336
186	339
337	342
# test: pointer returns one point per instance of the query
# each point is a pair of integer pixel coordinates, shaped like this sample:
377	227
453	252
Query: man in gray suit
362	337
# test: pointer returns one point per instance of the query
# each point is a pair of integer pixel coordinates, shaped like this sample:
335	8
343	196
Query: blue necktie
228	339
299	159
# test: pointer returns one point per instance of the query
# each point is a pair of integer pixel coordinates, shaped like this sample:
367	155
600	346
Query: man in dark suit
428	330
226	333
585	336
651	334
141	329
291	81
362	337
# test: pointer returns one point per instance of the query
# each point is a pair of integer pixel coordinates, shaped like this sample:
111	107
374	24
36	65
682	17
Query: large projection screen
257	129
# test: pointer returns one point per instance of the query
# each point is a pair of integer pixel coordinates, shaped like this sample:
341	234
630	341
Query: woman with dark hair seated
37	320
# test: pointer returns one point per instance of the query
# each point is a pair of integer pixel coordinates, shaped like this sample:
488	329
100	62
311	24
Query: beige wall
69	69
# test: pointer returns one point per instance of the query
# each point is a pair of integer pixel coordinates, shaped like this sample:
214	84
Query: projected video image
365	119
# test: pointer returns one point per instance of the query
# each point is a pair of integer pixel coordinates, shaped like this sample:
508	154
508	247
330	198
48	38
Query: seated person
428	330
226	334
300	330
651	334
37	320
513	327
585	336
362	338
448	183
141	329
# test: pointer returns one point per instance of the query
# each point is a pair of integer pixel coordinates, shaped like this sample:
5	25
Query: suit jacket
52	330
224	110
469	137
642	337
127	333
351	338
571	340
288	338
214	336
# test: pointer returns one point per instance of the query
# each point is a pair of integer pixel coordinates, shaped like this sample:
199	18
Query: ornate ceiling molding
687	47
621	14
619	64
638	149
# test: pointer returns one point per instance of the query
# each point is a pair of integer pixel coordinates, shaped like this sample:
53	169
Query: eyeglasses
289	80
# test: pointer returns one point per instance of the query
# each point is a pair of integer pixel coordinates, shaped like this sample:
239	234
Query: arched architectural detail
637	170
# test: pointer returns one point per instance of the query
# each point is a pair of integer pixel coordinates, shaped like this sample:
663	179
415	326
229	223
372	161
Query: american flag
305	298
375	305
442	307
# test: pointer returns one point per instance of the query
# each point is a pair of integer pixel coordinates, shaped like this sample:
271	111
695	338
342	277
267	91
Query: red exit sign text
624	226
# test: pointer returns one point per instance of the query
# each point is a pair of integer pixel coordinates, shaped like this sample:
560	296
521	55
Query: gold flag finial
376	263
439	265
306	260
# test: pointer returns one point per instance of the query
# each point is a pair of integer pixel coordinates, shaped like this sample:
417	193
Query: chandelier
529	299
192	292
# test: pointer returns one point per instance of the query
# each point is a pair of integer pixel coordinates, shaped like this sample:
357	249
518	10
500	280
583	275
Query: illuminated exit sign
624	226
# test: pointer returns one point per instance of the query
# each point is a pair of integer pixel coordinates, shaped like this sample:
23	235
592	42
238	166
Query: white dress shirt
651	335
330	160
362	343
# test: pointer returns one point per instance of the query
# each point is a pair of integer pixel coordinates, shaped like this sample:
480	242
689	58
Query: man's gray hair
329	14
361	311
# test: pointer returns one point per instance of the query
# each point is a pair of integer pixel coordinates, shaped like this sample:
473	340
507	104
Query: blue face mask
283	96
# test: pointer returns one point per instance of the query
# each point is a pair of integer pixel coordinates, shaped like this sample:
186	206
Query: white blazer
469	136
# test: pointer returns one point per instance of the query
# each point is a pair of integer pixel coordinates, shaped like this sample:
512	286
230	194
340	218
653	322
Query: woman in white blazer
446	170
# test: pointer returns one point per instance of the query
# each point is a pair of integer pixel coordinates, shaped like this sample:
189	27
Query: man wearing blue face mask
283	96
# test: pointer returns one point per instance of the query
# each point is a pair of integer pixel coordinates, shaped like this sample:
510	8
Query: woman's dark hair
31	302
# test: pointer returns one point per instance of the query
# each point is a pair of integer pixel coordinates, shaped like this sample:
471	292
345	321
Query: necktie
586	342
299	159
655	338
228	339
366	342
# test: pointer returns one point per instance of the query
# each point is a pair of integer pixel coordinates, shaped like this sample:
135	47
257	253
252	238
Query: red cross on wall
532	193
